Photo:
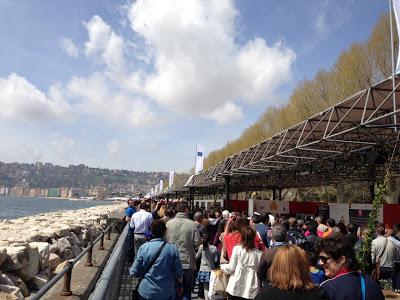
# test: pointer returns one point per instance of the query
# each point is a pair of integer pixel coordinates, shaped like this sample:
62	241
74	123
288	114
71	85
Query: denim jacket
160	281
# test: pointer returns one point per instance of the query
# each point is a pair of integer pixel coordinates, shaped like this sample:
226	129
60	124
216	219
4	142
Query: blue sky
135	85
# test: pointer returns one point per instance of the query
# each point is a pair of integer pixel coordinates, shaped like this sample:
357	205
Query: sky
137	84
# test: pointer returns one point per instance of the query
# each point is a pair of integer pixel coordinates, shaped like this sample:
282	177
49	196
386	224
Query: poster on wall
359	213
271	206
339	212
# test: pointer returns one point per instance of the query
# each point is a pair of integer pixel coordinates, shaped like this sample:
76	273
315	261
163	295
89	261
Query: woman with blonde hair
289	277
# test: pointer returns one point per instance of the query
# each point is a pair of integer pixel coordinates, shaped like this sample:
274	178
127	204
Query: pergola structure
348	142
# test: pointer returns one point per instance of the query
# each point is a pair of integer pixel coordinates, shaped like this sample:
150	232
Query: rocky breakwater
33	248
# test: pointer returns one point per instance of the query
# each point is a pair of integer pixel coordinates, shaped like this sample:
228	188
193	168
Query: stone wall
33	248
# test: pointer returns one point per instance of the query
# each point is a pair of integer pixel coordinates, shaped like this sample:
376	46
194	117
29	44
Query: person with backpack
209	258
295	236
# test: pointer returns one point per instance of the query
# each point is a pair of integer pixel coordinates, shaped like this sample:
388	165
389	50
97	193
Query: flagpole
393	77
195	158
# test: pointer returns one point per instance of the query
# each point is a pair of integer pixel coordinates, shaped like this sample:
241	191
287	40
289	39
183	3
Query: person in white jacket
243	282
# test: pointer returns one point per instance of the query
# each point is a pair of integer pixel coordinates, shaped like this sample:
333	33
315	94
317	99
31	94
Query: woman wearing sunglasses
337	257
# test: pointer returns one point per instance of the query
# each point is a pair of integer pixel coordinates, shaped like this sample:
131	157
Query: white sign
271	206
339	212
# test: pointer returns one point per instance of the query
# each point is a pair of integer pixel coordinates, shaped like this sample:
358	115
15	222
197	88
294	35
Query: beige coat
182	232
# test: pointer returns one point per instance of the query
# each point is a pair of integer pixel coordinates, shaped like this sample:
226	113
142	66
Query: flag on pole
171	178
161	185
396	9
199	159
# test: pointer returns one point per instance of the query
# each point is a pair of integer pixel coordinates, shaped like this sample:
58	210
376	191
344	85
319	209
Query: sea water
17	207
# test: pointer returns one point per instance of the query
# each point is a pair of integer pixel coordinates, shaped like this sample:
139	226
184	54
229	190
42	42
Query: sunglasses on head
324	259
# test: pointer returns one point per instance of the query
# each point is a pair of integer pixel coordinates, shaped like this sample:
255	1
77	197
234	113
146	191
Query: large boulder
73	239
39	280
68	254
13	291
17	258
3	255
54	261
62	231
44	251
13	280
54	247
60	267
32	266
63	244
76	250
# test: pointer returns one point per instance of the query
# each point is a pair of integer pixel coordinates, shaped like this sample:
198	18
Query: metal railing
67	270
108	285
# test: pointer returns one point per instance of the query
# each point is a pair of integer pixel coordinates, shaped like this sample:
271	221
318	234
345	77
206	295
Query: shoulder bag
135	291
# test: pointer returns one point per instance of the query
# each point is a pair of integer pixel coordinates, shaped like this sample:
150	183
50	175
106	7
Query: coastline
33	248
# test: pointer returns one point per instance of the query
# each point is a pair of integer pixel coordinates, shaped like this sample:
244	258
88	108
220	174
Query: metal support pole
273	194
101	244
191	197
89	255
280	194
393	77
176	195
109	233
67	280
228	191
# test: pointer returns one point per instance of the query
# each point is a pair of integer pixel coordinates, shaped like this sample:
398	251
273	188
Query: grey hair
198	215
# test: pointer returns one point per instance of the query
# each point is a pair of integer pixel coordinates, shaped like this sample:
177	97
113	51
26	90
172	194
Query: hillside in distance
47	175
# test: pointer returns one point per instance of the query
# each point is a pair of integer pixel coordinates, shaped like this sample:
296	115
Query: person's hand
179	291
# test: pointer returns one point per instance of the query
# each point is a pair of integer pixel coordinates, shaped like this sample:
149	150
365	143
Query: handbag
135	291
220	282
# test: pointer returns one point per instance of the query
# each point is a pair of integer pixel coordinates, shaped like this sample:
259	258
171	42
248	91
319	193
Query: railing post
67	280
109	233
89	255
101	244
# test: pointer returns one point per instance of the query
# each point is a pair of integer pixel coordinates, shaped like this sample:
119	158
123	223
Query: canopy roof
349	141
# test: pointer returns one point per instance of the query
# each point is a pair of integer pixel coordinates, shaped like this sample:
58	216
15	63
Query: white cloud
21	100
113	148
69	47
98	97
193	66
227	113
63	143
198	66
105	45
331	15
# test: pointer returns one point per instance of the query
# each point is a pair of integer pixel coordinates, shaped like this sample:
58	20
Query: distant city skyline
135	85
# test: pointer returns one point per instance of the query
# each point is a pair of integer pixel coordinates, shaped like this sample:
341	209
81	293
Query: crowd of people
174	247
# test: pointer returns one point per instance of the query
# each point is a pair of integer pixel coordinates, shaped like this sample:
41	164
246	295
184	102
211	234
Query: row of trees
361	66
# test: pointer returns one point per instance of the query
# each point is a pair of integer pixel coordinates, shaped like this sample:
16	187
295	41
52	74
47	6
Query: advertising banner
359	213
339	212
271	206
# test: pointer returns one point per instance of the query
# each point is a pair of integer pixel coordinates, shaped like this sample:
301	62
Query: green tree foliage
357	68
